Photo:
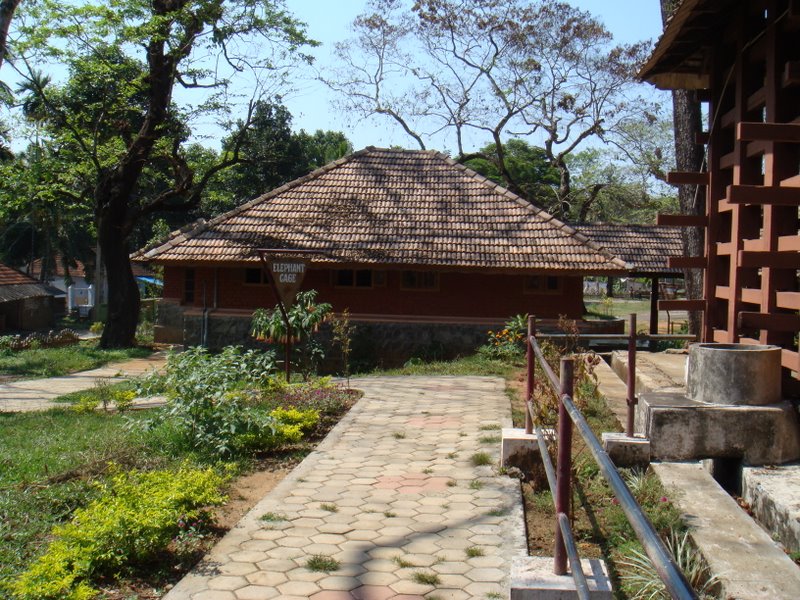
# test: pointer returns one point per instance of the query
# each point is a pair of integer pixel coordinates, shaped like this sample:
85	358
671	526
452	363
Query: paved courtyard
393	496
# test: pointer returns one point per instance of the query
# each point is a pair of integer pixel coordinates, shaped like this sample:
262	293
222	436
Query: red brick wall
459	294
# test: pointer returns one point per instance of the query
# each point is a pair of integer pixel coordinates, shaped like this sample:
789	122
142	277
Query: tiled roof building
644	248
24	302
404	239
393	207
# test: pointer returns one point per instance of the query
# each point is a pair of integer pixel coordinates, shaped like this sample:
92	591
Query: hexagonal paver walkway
392	498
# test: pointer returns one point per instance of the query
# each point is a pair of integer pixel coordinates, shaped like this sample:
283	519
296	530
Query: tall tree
137	54
689	157
606	189
487	70
43	212
529	167
7	9
271	154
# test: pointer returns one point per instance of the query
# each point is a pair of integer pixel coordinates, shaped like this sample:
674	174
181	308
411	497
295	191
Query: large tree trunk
123	293
7	8
689	157
692	199
112	197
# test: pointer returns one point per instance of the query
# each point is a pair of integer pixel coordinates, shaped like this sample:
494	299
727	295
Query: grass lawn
616	307
48	461
52	462
53	362
475	364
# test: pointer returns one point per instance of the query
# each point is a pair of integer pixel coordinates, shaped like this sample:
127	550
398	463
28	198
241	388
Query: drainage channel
741	552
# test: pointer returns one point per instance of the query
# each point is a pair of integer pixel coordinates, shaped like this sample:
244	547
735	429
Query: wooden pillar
654	304
653	311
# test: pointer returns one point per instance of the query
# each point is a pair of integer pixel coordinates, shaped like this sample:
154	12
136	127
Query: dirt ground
539	508
247	491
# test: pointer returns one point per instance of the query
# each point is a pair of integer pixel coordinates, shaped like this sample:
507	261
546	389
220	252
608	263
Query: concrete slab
750	566
682	429
521	450
626	451
773	494
532	578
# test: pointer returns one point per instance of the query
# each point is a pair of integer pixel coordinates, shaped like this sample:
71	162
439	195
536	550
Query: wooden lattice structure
745	57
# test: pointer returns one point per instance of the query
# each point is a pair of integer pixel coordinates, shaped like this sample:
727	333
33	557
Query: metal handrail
618	336
674	580
581	585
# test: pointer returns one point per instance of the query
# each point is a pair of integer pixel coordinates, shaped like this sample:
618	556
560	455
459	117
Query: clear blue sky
329	20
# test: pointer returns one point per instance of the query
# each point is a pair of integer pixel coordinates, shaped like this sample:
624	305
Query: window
357	278
419	280
542	284
188	286
254	276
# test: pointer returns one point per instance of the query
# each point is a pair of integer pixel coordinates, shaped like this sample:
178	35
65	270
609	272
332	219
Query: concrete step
748	563
773	494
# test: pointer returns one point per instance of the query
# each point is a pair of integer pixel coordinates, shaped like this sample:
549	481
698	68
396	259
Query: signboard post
285	276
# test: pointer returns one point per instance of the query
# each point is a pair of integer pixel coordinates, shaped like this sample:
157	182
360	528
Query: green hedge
135	516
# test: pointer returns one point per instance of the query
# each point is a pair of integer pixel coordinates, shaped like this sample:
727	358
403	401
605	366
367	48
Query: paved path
37	394
391	494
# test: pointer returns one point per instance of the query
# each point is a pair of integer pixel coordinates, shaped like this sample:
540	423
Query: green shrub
304	420
136	515
509	342
97	327
123	399
229	403
196	371
288	427
86	404
305	317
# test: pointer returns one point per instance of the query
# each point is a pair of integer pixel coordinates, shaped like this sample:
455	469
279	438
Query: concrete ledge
681	429
626	451
519	449
750	566
774	498
660	371
532	578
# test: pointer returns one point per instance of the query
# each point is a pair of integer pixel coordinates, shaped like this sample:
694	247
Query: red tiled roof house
409	240
24	302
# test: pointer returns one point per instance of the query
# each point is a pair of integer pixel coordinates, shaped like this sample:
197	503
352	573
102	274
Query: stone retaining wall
374	344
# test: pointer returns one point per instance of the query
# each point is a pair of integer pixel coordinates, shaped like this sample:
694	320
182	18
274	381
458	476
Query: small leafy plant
639	575
509	342
305	317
